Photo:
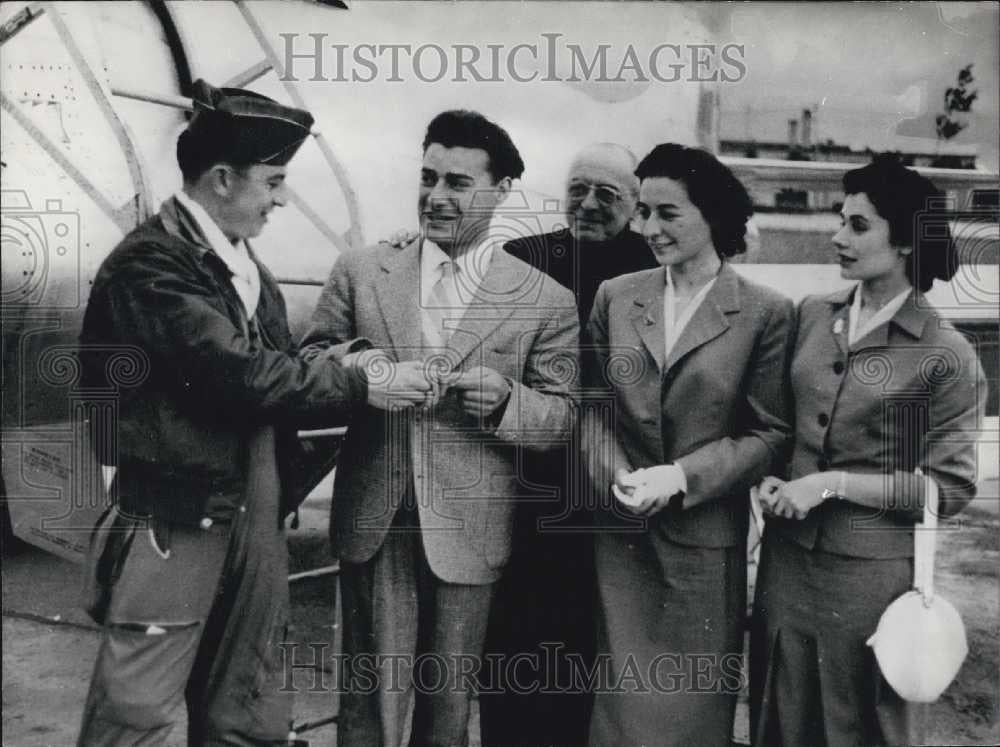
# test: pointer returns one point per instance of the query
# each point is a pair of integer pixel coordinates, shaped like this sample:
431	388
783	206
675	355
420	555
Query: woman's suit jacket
718	405
909	394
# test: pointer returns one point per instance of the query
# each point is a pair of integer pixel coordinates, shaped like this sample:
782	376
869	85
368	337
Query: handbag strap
924	542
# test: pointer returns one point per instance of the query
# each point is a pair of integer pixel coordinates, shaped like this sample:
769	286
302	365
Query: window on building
791	199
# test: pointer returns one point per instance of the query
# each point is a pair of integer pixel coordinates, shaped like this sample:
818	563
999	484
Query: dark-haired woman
692	358
882	387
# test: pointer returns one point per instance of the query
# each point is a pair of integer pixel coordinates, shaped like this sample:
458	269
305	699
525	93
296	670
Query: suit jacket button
823	420
838	367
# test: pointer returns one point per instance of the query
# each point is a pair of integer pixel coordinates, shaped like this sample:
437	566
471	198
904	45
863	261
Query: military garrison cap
241	127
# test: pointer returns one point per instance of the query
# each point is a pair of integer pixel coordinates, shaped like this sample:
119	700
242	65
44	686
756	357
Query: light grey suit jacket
463	471
718	405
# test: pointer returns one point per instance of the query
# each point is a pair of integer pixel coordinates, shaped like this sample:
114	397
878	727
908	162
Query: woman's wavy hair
720	197
915	211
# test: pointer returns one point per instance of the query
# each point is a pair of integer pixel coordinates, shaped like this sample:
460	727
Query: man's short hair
461	128
194	158
629	162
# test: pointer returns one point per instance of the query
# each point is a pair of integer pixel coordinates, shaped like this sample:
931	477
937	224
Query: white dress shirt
673	325
246	276
469	270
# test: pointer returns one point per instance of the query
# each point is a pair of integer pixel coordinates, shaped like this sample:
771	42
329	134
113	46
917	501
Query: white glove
623	486
657	485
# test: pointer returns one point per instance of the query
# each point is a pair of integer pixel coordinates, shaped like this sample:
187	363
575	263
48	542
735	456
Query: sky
874	74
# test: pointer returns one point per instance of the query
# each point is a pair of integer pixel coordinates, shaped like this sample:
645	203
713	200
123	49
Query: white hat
919	646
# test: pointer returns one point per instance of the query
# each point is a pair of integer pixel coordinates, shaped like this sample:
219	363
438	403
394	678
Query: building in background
810	195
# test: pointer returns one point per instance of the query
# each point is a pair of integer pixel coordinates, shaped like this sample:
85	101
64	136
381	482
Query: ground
49	645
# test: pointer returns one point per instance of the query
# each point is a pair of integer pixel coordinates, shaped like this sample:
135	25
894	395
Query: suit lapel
913	315
397	291
875	338
646	314
910	318
504	290
709	320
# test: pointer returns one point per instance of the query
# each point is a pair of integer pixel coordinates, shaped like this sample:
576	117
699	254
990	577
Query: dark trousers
196	617
408	635
541	630
544	609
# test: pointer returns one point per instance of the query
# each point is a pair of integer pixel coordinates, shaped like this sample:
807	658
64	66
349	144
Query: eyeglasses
607	196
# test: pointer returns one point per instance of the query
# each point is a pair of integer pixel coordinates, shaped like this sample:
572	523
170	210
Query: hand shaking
396	385
400	385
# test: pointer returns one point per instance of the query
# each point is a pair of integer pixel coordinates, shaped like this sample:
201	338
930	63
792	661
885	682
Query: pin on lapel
838	326
649	320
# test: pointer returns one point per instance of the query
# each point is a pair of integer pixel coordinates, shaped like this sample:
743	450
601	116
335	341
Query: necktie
440	306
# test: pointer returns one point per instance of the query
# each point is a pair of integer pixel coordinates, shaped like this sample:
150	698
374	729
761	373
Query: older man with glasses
601	192
547	595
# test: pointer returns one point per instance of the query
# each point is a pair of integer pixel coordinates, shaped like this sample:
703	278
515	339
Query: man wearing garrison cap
188	570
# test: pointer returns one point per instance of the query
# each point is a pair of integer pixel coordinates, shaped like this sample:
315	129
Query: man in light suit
425	496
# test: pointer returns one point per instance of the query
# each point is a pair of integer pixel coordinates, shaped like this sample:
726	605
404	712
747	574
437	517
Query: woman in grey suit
882	387
691	360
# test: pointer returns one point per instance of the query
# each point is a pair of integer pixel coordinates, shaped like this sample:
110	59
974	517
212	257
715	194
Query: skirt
669	641
813	679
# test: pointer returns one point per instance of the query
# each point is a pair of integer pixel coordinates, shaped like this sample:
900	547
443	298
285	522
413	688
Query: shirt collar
236	257
473	264
668	281
894	304
883	315
913	314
